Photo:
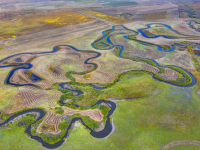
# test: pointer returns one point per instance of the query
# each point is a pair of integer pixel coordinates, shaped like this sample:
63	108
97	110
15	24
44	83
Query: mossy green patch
59	110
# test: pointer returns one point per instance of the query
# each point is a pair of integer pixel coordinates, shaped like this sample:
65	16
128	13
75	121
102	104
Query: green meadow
171	113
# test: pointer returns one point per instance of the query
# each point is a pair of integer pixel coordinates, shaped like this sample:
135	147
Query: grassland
105	16
131	87
185	147
144	127
37	22
107	70
155	113
12	139
145	123
8	94
161	30
141	48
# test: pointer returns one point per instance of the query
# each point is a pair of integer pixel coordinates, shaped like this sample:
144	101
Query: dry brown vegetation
192	6
94	114
155	15
17	24
176	143
52	119
51	68
168	74
109	66
48	67
105	16
33	97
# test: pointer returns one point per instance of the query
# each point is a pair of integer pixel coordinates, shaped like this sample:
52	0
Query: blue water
18	60
29	65
35	78
159	48
97	134
172	46
104	44
189	22
140	31
101	134
97	87
108	38
197	54
62	85
191	14
108	125
156	36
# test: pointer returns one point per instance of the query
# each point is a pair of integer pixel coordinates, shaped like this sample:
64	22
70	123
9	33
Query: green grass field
147	123
149	113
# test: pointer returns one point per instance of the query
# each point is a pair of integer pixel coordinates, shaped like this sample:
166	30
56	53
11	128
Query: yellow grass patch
8	42
105	16
36	22
87	76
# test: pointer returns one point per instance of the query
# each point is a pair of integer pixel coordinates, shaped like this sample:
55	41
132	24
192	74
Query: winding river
192	14
156	36
29	65
191	24
108	125
100	134
159	48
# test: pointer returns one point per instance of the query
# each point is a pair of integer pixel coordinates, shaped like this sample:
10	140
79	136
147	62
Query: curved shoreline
189	22
156	36
29	65
191	14
178	143
100	134
108	125
193	82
